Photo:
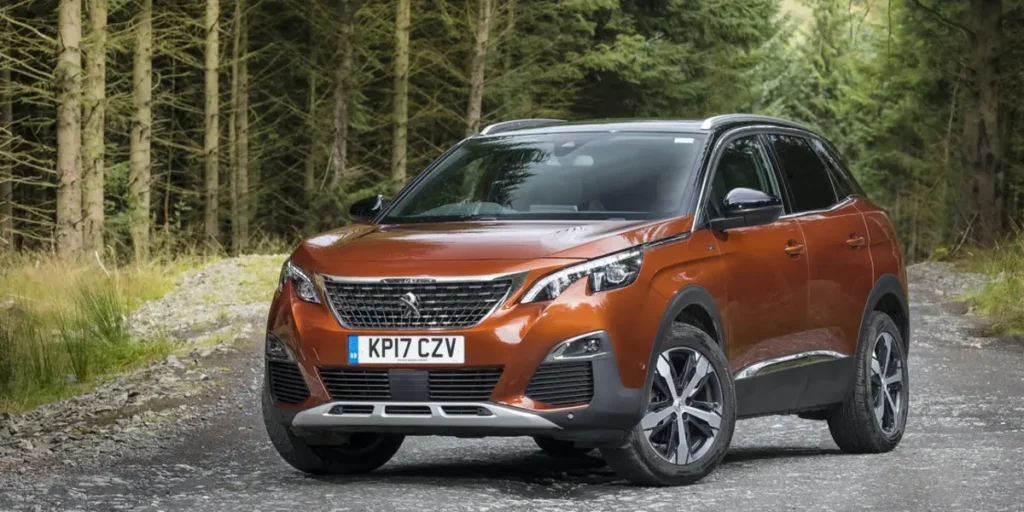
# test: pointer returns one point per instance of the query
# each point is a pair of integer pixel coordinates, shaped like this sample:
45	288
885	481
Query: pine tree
68	76
401	96
94	106
211	130
481	34
142	132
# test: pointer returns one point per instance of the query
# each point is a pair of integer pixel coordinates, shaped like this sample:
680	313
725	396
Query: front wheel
690	415
362	453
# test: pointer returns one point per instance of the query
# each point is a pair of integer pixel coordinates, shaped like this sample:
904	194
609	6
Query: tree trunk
399	137
342	176
94	99
68	75
142	134
211	137
233	167
983	151
309	174
476	67
233	211
6	162
242	129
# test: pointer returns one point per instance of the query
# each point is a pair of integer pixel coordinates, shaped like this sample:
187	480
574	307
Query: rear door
840	272
765	266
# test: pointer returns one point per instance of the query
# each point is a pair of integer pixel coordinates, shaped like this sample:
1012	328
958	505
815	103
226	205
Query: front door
765	266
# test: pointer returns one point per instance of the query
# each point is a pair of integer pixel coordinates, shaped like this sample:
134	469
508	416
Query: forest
130	127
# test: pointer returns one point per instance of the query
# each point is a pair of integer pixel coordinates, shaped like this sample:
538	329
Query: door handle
794	248
855	241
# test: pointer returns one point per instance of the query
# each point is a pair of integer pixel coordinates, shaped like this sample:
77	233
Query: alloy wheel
887	383
684	414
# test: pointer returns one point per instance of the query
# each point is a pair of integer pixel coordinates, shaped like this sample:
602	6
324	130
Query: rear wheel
874	414
559	448
690	415
362	453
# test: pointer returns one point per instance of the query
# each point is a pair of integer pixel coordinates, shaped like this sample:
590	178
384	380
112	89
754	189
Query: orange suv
634	287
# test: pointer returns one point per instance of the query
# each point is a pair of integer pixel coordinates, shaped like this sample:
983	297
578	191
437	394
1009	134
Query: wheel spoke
710	418
876	368
701	370
653	418
683	446
893	408
895	379
887	343
880	412
667	374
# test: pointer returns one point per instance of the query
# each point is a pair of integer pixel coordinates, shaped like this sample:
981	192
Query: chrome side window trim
840	204
804	358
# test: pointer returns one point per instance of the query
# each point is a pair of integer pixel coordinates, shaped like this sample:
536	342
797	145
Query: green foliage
1002	298
56	341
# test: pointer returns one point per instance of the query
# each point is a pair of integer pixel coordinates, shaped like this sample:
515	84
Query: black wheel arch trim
690	295
888	284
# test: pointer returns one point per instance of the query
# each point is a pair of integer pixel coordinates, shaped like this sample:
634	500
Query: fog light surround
584	346
276	349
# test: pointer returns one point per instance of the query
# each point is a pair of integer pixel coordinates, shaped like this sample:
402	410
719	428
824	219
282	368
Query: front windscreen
556	176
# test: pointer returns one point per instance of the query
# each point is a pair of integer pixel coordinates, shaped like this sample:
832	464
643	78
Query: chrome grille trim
379	307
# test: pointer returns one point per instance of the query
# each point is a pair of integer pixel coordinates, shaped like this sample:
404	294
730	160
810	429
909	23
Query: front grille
286	383
450	304
463	385
562	384
344	384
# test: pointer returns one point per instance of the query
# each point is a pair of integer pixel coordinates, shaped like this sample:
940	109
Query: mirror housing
746	207
365	209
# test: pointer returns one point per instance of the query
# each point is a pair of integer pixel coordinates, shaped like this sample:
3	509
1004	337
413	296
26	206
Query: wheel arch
697	306
888	297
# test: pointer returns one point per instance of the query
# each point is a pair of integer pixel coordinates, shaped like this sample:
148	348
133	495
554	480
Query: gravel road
964	449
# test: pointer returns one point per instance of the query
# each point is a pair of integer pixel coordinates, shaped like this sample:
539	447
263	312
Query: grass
1002	298
64	325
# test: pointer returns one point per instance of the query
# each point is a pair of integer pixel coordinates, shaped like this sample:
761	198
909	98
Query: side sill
795	389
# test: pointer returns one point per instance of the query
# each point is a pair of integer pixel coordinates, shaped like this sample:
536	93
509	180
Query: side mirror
364	210
745	207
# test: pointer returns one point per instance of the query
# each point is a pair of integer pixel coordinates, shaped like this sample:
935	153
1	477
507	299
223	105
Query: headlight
606	273
301	281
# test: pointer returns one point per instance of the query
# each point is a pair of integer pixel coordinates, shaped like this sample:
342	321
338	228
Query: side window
743	163
806	176
841	177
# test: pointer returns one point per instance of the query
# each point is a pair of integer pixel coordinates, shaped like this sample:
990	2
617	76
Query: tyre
689	418
873	416
559	448
363	453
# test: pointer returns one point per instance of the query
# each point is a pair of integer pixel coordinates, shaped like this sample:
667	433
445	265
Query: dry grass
64	324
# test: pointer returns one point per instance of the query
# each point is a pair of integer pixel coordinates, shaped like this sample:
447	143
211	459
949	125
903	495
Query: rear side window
841	177
810	187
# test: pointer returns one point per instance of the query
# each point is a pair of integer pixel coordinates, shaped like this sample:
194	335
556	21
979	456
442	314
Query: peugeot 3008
633	287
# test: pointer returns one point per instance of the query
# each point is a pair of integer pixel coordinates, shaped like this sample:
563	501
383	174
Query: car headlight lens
304	286
605	273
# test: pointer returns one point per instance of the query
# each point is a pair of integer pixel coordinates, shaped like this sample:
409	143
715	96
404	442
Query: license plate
406	349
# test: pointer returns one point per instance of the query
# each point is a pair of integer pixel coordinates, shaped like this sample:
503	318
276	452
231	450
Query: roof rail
517	124
728	119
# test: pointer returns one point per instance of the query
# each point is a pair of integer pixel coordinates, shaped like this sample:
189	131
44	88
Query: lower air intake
562	384
286	383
